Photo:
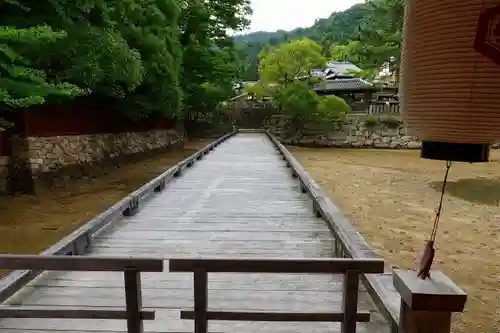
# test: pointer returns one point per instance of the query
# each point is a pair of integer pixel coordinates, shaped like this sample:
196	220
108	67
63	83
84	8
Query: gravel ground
392	195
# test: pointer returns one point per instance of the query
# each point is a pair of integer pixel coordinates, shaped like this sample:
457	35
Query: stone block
394	144
70	157
414	145
381	145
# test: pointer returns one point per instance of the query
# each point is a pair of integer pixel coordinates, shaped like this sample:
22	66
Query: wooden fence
131	268
383	107
350	268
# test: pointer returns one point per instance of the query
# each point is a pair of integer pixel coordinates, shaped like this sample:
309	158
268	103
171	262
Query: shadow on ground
483	191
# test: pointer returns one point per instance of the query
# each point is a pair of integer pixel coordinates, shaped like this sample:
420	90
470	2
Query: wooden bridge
226	241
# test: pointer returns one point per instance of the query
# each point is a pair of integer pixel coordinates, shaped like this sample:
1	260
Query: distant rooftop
335	69
342	67
342	85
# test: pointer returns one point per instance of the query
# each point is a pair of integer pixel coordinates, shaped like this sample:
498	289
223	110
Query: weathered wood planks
133	313
229	204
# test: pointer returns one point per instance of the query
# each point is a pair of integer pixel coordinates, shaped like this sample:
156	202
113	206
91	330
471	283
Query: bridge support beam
427	305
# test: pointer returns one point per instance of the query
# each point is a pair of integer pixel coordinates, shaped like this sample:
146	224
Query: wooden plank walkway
240	201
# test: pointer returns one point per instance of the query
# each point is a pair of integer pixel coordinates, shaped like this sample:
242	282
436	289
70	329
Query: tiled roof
336	68
342	66
344	85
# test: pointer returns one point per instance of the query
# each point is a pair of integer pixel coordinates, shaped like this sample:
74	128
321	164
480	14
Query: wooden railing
132	268
410	304
350	268
383	107
79	241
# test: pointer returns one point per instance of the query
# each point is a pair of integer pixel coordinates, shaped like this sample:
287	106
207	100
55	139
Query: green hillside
367	34
338	28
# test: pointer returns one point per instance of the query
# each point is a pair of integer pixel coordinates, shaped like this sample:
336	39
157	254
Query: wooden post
350	301
133	207
133	300
200	300
427	305
161	186
303	187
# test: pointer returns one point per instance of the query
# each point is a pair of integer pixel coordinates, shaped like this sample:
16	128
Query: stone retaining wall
361	139
52	153
352	134
59	159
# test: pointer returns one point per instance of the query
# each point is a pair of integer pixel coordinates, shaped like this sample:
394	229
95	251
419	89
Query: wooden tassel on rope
427	258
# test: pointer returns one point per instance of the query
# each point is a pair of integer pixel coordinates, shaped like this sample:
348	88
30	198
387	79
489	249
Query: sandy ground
30	224
391	196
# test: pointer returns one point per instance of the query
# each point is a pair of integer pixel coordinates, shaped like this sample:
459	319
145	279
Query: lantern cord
428	254
440	206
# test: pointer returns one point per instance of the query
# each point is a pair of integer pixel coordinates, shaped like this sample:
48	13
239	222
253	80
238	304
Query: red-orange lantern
450	77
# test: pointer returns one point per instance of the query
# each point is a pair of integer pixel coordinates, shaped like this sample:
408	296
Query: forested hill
338	28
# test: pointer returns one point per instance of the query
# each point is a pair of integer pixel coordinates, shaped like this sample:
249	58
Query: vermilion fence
54	120
59	120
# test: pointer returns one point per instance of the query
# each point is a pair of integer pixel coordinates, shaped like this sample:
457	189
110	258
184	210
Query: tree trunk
396	77
20	179
181	129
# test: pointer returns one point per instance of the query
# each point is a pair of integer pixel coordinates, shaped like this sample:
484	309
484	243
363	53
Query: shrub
370	122
332	109
391	122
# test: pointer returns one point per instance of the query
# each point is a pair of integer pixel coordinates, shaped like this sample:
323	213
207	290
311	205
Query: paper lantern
450	77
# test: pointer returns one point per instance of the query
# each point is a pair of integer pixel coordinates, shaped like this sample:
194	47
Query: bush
391	122
298	101
370	122
332	109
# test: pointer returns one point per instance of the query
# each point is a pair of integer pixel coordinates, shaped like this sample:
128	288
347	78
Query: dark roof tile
344	85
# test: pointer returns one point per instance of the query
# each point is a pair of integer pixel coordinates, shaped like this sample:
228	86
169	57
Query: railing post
133	300
200	300
350	302
427	305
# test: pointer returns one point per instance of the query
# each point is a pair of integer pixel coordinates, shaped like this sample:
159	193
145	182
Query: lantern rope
428	255
440	207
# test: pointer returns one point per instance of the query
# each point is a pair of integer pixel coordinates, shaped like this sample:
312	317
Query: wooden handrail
79	263
278	265
75	313
350	268
132	267
362	316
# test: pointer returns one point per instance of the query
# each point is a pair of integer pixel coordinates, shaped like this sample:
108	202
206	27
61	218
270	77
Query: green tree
339	28
210	66
367	34
289	62
299	102
125	52
380	36
152	28
21	85
138	57
332	109
285	74
351	51
260	90
306	108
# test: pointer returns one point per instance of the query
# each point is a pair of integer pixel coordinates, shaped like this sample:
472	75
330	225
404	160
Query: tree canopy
367	34
140	57
20	84
285	76
290	61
